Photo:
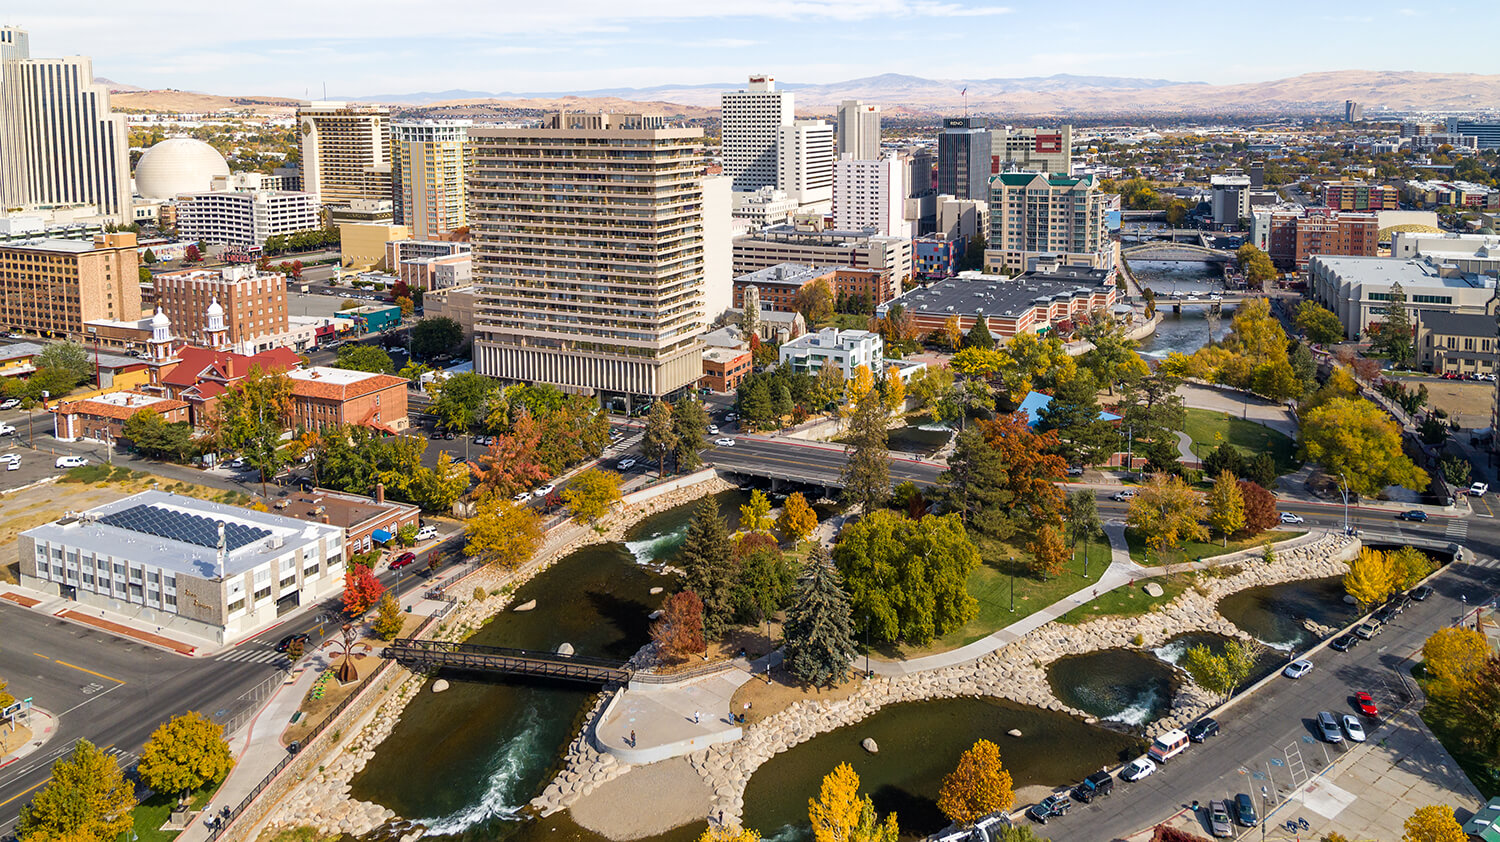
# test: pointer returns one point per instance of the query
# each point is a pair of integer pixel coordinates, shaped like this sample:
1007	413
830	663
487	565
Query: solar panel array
181	526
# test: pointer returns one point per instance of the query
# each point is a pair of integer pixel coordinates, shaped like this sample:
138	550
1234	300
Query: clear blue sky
279	47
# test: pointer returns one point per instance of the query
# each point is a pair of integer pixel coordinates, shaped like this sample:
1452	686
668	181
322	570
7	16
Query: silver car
1328	727
1218	818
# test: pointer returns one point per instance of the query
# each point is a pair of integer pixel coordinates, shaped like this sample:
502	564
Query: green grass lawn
1196	550
990	584
152	813
1208	429
846	321
1129	600
1482	771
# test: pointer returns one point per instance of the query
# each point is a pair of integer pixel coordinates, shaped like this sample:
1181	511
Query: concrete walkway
1241	405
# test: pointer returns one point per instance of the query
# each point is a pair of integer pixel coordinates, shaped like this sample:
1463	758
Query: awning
381	536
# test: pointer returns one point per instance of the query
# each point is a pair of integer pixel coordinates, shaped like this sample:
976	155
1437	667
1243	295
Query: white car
13	465
1127	494
71	462
625	464
10	457
427	533
1297	669
522	497
1479	489
236	463
10	403
1354	728
713	430
7	430
542	492
1137	769
724	442
1288	517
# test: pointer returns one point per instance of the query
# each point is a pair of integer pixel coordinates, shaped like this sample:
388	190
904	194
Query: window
237	605
262	593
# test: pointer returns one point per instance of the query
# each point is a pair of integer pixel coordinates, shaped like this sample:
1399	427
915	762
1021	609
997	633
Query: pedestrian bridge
431	655
1166	251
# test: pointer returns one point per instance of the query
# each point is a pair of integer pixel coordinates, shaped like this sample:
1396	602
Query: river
1187	331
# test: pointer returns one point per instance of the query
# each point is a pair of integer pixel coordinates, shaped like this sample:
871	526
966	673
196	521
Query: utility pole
1344	489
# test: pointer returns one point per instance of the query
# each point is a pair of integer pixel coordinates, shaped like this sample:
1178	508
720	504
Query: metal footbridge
430	655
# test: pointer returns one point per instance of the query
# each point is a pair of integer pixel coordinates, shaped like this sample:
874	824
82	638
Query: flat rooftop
785	274
348	511
53	245
995	295
1400	270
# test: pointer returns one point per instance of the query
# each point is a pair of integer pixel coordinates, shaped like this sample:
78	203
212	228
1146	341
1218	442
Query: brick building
200	375
52	287
778	285
1296	235
326	397
254	303
1030	303
724	368
102	418
366	521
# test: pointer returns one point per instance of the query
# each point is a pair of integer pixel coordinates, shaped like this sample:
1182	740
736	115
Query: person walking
696	717
632	738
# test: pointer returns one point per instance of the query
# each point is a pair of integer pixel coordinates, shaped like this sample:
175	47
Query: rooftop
54	246
1457	324
1397	270
787	274
339	383
120	405
348	511
719	354
997	295
180	534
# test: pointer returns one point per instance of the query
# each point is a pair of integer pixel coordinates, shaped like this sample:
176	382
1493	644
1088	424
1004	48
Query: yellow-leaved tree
797	520
1433	823
591	493
840	814
755	516
1226	506
185	753
1453	657
859	386
895	389
1372	578
729	833
978	787
503	533
1166	512
87	798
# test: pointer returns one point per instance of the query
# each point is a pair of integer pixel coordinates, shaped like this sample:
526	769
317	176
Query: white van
1168	745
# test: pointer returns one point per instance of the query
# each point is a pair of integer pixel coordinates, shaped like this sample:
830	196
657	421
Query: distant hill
190	101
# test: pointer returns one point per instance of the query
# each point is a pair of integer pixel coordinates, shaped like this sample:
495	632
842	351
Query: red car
403	560
1366	704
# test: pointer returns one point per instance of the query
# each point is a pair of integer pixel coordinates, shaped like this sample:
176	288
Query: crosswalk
252	655
1457	528
1491	563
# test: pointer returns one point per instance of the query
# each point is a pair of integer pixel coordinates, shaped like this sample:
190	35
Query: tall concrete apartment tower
804	164
964	158
859	130
59	143
750	121
345	152
430	162
588	237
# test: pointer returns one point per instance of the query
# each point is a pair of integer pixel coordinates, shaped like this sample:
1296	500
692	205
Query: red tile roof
304	388
101	409
200	364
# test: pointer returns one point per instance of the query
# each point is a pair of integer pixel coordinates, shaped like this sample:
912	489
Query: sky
285	48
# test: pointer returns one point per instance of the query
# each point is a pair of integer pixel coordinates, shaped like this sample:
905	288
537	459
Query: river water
1274	614
1120	685
1189	330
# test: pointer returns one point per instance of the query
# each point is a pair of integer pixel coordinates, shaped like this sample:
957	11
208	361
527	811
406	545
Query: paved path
1241	405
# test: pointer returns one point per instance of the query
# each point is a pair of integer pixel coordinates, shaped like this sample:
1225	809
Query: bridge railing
649	677
395	647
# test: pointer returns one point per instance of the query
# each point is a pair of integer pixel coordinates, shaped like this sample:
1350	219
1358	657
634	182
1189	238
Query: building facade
588	238
859	130
775	288
1456	343
251	305
1351	195
804	164
846	349
330	397
751	122
1036	214
367	522
1032	150
870	193
964	154
345	152
1296	235
724	368
430	264
790	244
103	417
935	257
1487	133
430	161
1033	302
245	217
52	287
1358	289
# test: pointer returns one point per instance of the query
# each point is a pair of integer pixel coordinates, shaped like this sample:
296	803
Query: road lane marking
25	792
87	670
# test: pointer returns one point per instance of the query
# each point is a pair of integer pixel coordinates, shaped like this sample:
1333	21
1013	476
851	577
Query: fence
249	702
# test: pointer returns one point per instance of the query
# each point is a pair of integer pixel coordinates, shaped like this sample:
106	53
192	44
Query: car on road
10	403
724	442
1136	769
522	497
1297	669
1383	616
1203	729
1218	818
1328	727
236	463
10	457
1343	642
1367	630
286	642
70	462
1097	785
13	464
1049	808
1075	471
541	493
1244	810
1366	704
1420	593
713	429
730	416
1127	494
625	464
427	533
1288	517
1479	489
483	441
1354	728
1415	515
403	560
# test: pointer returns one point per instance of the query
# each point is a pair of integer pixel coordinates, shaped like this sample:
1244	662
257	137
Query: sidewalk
43	725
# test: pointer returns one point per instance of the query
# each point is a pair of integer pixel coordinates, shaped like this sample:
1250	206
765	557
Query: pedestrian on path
632	738
696	717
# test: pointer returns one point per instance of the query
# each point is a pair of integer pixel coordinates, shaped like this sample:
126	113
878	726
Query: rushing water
1276	614
920	743
1120	685
1173	651
920	435
1189	330
465	761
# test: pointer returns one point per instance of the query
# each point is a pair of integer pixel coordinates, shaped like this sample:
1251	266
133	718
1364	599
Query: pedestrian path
251	655
1457	528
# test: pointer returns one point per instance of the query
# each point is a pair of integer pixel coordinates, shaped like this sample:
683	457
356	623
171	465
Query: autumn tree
659	439
840	814
907	579
361	590
1412	566
512	462
1372	578
1320	324
979	786
1260	508
755	515
436	489
1031	470
797	519
678	632
1221	673
893	389
503	534
591	493
6	699
707	564
1353	437
952	333
815	301
185	753
1226	506
1453	656
388	617
1256	265
1477	713
728	833
819	630
1048	552
87	799
1433	823
867	474
1166	512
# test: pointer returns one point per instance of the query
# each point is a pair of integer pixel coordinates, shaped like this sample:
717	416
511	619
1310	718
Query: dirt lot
783	692
1470	404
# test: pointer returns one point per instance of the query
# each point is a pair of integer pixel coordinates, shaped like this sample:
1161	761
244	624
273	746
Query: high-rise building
751	122
226	308
1032	150
804	164
859	130
52	287
870	194
1035	214
1231	199
430	161
59	143
345	152
964	158
588	237
1353	111
1487	133
244	217
1295	236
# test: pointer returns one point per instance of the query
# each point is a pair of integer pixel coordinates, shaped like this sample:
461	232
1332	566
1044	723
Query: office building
935	257
750	127
225	308
1351	195
1358	289
60	145
804	164
237	217
214	571
964	165
345	152
718	245
1032	150
430	161
1035	214
102	418
870	194
249	182
1354	112
859	130
1231	199
598	289
362	245
1296	235
846	349
456	303
52	287
813	247
962	217
764	207
1470	253
1458	194
430	264
1486	133
1032	302
333	397
724	368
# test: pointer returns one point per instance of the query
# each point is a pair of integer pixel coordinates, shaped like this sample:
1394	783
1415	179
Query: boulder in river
655	591
1014	732
525	606
869	745
440	685
565	649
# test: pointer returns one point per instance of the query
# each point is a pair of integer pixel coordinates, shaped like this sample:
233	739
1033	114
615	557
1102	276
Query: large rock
1152	589
565	649
440	685
655	591
1014	732
525	606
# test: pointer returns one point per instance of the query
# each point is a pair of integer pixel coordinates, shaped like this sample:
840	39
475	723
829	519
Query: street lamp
1344	489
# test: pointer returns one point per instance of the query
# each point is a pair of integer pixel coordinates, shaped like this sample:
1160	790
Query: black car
1398	603
1244	810
1097	785
1203	729
1413	515
1384	615
1050	807
286	642
1420	593
1343	642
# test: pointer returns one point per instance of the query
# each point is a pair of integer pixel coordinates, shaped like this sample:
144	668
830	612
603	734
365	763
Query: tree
67	357
1477	712
1165	512
689	424
1256	265
185	753
148	257
952	334
1223	673
907	579
6	699
361	590
859	386
591	493
437	489
979	786
1393	335
819	631
1226	506
867	474
728	833
370	358
1048	552
1412	566
87	800
1453	656
754	404
1082	518
797	519
815	300
979	335
191	254
462	400
1260	508
755	516
659	438
406	304
984	363
1353	437
503	534
1433	823
1084	438
839	814
678	632
388	617
1032	469
764	580
977	484
1320	324
894	389
154	436
1372	578
707	565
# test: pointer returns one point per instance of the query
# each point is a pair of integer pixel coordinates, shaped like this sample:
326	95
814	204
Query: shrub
479	594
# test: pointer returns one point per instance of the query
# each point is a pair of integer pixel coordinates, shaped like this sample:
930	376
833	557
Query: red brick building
1296	236
103	417
201	375
724	368
361	517
879	285
327	397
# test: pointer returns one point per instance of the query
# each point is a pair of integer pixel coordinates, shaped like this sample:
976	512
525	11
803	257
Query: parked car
403	560
1168	745
1288	517
724	442
71	462
1127	494
990	828
13	465
1075	471
427	533
1353	728
1416	515
1343	642
1420	593
1479	489
522	497
1384	615
541	493
1136	769
713	429
1244	810
1328	727
236	463
1366	704
483	440
1297	669
1366	630
1203	729
1218	818
286	642
10	457
1097	785
1048	808
10	403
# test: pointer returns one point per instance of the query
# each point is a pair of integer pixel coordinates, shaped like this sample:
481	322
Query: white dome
160	319
177	165
215	308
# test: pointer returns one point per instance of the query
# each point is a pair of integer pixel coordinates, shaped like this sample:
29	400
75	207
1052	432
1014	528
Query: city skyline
570	45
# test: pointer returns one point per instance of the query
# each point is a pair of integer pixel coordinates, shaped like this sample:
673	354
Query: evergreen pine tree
659	438
755	405
976	485
979	335
781	403
689	423
708	566
867	476
1074	414
819	631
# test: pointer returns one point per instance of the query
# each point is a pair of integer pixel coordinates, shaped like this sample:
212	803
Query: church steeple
160	352
216	333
